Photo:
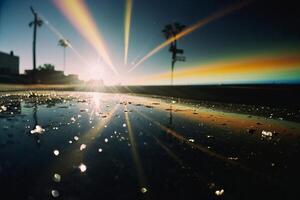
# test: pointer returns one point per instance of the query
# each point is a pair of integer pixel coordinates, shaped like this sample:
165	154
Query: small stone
191	140
56	152
267	133
73	119
55	193
219	192
56	178
82	167
38	129
82	147
143	190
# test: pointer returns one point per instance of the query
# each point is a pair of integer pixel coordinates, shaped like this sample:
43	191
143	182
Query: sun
98	71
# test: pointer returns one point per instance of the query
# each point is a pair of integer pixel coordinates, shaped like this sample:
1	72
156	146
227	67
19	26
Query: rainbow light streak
250	69
127	21
78	14
192	28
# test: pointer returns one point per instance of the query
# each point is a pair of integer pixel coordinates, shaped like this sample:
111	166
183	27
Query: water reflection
171	116
133	147
36	135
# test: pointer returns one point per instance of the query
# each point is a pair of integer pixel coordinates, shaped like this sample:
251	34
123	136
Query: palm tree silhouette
170	31
64	44
37	22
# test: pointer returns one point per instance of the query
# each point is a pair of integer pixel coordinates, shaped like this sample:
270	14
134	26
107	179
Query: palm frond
63	43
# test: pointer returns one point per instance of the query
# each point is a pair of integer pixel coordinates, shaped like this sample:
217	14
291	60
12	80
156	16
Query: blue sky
262	27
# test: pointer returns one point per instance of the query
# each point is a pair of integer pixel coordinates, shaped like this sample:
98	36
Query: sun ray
127	23
59	35
199	147
75	157
78	14
191	29
135	154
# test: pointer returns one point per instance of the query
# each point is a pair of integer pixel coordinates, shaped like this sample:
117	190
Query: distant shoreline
283	95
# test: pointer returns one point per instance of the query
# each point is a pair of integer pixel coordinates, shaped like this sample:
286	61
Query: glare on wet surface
58	144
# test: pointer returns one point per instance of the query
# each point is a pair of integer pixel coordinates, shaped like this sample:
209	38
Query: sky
255	42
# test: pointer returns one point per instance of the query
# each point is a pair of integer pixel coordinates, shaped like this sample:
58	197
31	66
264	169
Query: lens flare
80	17
191	29
51	27
127	22
258	68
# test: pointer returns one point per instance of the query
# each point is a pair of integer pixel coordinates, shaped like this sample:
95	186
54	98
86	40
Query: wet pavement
77	145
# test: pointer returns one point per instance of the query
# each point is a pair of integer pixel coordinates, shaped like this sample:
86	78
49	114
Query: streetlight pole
170	31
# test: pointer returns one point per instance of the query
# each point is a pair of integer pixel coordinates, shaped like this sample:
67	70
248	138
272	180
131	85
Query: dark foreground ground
81	145
272	94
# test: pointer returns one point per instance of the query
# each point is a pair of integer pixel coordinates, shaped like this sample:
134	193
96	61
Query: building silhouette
9	63
9	73
52	77
9	68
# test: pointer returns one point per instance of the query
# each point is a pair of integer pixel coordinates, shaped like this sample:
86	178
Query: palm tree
37	22
170	31
64	44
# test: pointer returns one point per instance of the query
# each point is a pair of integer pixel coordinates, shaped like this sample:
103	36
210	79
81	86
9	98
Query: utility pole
170	31
37	22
